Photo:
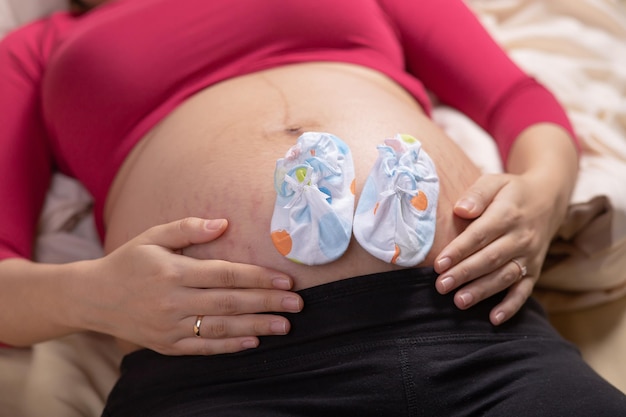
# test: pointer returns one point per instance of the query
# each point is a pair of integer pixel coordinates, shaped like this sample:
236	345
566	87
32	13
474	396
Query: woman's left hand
513	219
502	248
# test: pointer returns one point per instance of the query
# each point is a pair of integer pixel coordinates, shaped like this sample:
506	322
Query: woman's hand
151	295
511	222
514	217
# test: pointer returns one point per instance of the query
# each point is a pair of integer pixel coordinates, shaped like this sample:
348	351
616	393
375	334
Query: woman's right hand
151	295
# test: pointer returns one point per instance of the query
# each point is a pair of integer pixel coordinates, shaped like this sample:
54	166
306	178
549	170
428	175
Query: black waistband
380	306
361	302
375	301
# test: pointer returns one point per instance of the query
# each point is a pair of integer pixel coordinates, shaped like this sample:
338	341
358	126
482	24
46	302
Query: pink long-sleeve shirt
78	92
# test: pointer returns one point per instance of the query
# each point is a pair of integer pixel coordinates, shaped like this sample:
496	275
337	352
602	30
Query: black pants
378	345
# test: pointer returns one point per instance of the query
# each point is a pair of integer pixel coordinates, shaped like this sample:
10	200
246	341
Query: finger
224	302
226	334
227	327
482	263
514	300
477	198
224	274
478	235
207	347
487	286
185	232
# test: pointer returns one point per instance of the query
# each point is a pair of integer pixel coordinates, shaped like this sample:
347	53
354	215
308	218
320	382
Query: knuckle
168	272
206	349
479	236
218	329
227	277
260	327
230	346
183	224
493	257
512	212
213	347
166	306
526	238
226	304
477	192
510	277
186	224
190	225
464	272
261	281
456	253
479	293
269	303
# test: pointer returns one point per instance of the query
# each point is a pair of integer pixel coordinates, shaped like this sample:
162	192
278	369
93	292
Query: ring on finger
523	271
196	326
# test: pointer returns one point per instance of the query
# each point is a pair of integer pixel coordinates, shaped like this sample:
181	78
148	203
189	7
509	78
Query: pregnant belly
215	155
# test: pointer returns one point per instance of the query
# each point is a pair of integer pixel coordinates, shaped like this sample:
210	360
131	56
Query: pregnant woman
172	113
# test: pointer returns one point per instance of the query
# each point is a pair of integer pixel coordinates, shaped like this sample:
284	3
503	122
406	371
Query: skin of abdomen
214	157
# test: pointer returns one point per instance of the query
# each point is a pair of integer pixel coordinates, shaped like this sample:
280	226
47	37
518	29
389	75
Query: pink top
78	92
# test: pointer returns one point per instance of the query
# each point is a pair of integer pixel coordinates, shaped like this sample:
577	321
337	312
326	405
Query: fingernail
213	225
447	283
466	204
500	317
466	299
249	343
281	283
291	304
444	263
278	327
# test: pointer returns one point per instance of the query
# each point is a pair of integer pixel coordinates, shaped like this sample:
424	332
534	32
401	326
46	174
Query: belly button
294	130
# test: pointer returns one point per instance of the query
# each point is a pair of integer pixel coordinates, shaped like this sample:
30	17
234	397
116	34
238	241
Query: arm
25	154
515	217
144	292
515	214
450	52
147	294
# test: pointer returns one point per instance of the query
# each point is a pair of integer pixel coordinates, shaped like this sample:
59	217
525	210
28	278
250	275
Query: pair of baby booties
314	216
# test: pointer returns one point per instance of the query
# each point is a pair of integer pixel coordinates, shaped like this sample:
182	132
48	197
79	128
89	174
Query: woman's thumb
185	232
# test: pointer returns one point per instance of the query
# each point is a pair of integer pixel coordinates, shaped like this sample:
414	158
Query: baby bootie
396	214
314	182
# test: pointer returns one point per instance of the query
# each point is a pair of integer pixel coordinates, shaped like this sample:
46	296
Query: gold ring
196	326
522	268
